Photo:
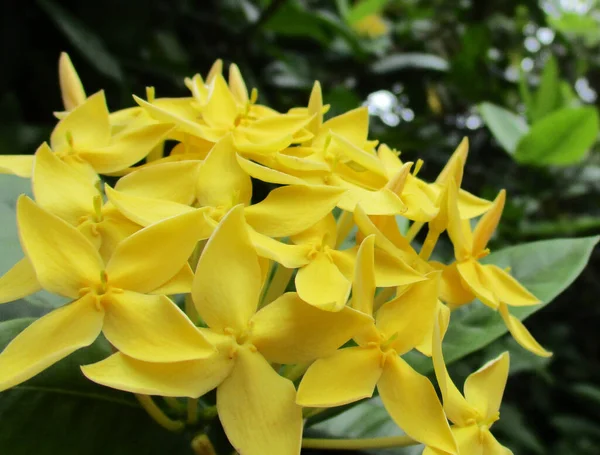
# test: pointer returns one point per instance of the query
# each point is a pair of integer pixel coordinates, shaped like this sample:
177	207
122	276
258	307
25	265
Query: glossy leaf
508	128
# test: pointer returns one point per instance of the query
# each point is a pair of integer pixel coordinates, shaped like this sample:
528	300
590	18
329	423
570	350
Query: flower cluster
180	221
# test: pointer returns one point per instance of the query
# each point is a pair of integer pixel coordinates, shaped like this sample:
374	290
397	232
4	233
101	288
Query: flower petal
125	149
227	283
63	259
290	256
471	273
410	317
321	284
291	331
152	328
258	409
485	387
171	181
181	283
192	378
221	108
452	290
20	281
488	223
346	376
352	126
521	334
87	125
20	165
71	87
508	289
469	440
237	85
133	265
413	404
61	189
50	339
265	174
221	181
391	271
181	114
425	347
292	209
490	446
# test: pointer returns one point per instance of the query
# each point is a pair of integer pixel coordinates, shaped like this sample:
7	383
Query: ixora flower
123	298
255	404
474	413
466	278
352	373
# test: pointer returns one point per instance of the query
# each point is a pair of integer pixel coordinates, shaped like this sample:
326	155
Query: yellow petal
411	316
490	446
488	223
181	283
471	273
133	265
126	149
63	259
182	115
485	387
265	174
145	210
456	407
350	151
20	165
171	181
152	328
221	108
344	377
508	289
291	209
85	126
521	334
470	206
237	85
352	126
71	87
227	283
363	285
61	189
192	378
413	404
391	271
443	315
290	256
275	128
315	108
321	284
452	289
50	339
112	230
323	232
20	281
215	69
461	239
258	409
469	440
381	202
291	331
221	181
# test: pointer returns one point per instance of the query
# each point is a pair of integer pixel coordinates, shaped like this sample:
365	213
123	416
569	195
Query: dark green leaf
87	42
561	138
293	19
413	60
547	97
61	412
508	128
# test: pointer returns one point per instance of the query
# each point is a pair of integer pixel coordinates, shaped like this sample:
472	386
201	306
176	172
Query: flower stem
429	244
280	280
344	225
201	445
358	444
174	404
158	415
192	411
414	230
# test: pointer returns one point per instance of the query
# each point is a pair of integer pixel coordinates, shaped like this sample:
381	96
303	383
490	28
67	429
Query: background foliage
517	77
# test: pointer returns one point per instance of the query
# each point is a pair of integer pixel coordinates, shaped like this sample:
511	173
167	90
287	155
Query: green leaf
409	60
547	97
508	128
61	412
574	25
87	42
561	138
365	8
293	19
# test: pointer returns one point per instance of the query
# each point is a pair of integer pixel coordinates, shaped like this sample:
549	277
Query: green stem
295	371
429	244
192	411
344	225
174	404
280	280
201	445
158	415
358	444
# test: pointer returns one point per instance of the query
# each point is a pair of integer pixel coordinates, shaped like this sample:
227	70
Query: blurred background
520	79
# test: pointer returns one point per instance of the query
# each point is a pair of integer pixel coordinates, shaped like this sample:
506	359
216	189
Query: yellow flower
467	278
372	26
71	88
256	406
83	139
351	374
474	413
111	298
